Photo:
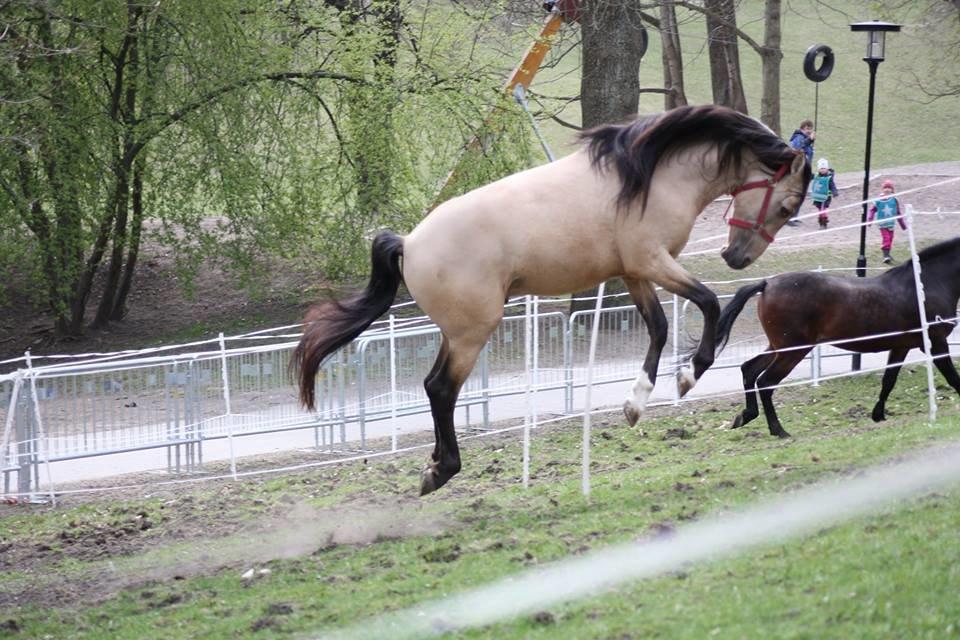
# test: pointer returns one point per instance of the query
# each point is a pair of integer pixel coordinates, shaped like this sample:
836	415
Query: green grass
892	574
908	129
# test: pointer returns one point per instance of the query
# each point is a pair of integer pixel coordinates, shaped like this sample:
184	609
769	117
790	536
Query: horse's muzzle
735	257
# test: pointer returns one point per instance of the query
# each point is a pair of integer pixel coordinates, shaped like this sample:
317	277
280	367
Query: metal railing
177	403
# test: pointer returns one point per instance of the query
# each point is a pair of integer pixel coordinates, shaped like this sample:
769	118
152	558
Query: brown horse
799	310
622	206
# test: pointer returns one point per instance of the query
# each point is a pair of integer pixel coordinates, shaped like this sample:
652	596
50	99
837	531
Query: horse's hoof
685	380
428	481
737	422
878	416
631	413
782	434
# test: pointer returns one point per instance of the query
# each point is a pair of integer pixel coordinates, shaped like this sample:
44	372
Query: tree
721	19
771	56
672	56
725	66
612	33
239	131
612	38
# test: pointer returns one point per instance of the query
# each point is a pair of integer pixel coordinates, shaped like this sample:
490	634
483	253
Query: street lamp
876	34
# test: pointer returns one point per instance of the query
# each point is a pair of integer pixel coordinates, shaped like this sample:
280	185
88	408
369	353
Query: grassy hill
328	547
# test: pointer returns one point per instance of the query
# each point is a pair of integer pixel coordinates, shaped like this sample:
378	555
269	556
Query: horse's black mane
948	248
935	251
637	147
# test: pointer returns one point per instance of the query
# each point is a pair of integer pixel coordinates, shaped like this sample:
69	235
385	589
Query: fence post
528	367
9	427
568	364
40	435
922	308
676	344
342	389
393	383
362	392
815	367
587	391
485	382
224	372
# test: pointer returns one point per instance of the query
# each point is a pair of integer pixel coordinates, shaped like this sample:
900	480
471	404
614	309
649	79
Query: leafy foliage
230	132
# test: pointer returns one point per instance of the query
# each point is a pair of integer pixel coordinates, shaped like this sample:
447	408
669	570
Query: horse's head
761	206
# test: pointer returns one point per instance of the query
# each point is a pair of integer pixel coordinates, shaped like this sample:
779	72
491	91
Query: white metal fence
234	387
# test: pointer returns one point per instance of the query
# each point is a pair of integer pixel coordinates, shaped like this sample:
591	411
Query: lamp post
876	33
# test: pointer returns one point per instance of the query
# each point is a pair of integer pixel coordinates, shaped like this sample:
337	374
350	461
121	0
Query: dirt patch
190	545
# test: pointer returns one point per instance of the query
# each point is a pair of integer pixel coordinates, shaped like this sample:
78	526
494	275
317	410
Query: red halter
769	183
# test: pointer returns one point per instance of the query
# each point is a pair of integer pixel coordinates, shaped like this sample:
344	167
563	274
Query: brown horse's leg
941	355
781	367
894	363
751	370
645	297
443	385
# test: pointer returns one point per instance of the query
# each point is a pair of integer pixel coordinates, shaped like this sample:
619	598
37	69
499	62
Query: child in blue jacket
823	190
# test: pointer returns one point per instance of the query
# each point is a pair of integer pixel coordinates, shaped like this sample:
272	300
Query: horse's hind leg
751	370
645	297
771	377
443	385
894	363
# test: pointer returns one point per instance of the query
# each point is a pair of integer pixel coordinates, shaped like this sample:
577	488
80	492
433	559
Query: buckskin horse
802	309
622	205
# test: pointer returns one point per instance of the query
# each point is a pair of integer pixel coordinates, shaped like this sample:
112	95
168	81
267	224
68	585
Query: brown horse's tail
733	309
330	325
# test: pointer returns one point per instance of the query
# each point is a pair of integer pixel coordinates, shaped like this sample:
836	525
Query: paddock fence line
178	399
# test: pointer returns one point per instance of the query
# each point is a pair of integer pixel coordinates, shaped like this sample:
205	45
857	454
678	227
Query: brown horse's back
810	308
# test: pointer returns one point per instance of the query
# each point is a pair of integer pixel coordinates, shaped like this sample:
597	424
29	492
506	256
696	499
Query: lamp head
876	32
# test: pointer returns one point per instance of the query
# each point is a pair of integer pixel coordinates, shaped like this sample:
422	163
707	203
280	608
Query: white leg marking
641	390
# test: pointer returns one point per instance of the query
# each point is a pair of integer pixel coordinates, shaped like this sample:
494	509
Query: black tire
810	69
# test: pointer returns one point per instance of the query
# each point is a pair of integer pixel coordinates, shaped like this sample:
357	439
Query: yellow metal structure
522	75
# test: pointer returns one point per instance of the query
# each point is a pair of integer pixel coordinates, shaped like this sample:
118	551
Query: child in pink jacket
886	210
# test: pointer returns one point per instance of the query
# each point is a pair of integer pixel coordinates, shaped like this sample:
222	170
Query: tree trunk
672	56
611	33
122	111
119	309
771	56
724	54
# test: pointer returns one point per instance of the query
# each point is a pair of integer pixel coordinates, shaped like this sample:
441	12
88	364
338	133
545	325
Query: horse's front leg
675	279
941	358
645	297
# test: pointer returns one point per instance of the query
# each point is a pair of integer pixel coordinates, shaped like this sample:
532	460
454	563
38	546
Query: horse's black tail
330	325
733	309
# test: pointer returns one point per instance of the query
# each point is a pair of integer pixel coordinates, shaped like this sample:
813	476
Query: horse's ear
798	162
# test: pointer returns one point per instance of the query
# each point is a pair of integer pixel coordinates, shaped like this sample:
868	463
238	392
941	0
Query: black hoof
780	433
878	415
737	422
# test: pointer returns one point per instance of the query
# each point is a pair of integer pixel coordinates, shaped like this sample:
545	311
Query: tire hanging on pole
817	74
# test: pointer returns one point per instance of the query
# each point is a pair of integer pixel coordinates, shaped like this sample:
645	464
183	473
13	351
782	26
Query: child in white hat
822	191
